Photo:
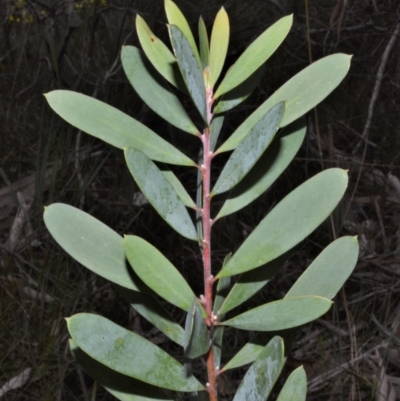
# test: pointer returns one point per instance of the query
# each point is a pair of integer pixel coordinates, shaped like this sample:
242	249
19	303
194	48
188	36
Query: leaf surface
204	44
128	353
216	126
160	193
295	387
290	221
113	126
179	188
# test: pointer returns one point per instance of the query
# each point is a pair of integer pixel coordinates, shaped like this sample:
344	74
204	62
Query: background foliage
75	45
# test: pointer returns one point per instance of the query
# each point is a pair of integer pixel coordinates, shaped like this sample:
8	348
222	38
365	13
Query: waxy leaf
128	353
175	17
91	243
157	272
295	387
146	83
268	168
255	55
262	374
159	55
249	150
113	126
301	93
190	69
179	188
219	45
204	44
196	341
148	307
122	387
329	271
280	315
289	222
160	193
216	126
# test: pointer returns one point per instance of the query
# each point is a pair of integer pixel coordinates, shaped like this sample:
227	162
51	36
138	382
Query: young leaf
179	188
204	44
240	93
249	150
159	55
190	69
268	168
112	126
216	126
148	307
290	221
196	340
219	45
175	17
301	93
122	387
329	271
128	353
281	315
262	374
157	272
91	243
295	387
160	193
146	83
255	55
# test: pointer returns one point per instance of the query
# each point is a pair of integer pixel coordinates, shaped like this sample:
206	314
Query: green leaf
290	221
295	387
301	93
128	353
148	307
179	188
91	243
159	55
122	387
175	17
160	193
112	126
204	44
216	125
255	55
268	168
157	272
240	93
249	150
146	83
282	314
196	341
329	271
190	69
219	45
259	380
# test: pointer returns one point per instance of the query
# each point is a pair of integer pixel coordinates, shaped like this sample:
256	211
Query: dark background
352	353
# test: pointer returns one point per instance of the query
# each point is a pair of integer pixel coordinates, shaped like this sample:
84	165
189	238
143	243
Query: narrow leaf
122	387
255	55
295	387
262	374
196	341
179	188
112	126
157	272
329	271
301	93
91	243
146	83
148	307
216	126
282	314
295	217
190	69
219	45
160	193
204	44
128	353
268	168
249	150
159	55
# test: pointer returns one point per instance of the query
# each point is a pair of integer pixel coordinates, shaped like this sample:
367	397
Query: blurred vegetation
49	44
